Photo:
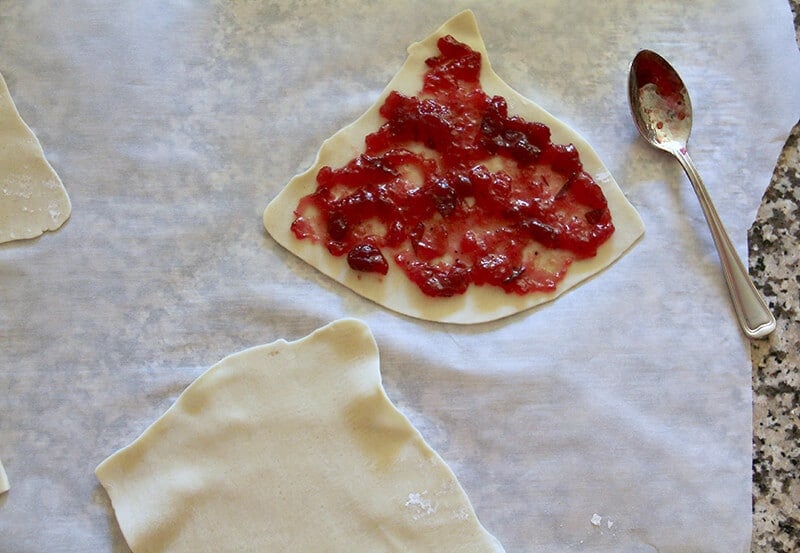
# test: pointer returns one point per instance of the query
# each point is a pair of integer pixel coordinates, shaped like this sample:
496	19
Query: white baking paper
615	419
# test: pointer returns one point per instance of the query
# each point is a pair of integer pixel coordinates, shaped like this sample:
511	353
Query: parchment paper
173	124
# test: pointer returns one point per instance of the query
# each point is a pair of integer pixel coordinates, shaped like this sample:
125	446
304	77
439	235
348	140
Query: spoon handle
754	316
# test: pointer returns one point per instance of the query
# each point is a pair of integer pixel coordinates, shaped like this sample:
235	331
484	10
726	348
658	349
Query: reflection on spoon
662	112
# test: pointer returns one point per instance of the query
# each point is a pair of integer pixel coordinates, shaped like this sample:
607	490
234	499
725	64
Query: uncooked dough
4	485
290	447
395	291
32	197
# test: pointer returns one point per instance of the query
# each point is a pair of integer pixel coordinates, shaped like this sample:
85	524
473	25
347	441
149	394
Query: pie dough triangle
32	198
395	291
290	447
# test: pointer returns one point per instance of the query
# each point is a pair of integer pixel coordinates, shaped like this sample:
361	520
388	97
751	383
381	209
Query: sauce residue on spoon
663	98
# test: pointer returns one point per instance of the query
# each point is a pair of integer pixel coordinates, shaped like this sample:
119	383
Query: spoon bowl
662	112
659	102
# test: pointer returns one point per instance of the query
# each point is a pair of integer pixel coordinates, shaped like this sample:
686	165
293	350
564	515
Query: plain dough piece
395	291
290	447
4	485
32	198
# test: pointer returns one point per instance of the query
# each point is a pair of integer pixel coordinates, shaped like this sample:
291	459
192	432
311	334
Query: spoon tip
659	101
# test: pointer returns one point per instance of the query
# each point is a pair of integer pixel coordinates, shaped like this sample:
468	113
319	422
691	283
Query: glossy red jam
670	91
650	70
458	192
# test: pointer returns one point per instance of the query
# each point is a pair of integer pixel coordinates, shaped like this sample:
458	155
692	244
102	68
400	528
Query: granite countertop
775	266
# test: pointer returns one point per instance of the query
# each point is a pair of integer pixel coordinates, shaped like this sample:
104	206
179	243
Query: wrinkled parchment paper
173	124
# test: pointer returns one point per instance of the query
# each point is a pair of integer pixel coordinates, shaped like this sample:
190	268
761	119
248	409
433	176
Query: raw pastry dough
290	447
4	485
395	291
32	197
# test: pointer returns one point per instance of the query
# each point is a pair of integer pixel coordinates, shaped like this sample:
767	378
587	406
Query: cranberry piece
337	248
413	120
546	235
450	48
597	216
491	190
493	269
564	159
325	178
361	171
367	258
457	62
460	183
395	234
429	243
436	280
511	136
302	228
447	281
338	225
585	191
444	197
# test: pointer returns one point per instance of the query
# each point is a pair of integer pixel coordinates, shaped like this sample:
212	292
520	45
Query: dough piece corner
33	199
4	485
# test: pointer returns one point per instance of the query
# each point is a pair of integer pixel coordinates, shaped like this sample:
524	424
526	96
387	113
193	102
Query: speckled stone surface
774	242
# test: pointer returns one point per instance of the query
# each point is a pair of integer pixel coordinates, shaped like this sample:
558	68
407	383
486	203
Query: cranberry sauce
651	70
458	192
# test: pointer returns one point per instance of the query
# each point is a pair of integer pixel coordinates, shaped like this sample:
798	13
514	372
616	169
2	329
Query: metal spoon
662	112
